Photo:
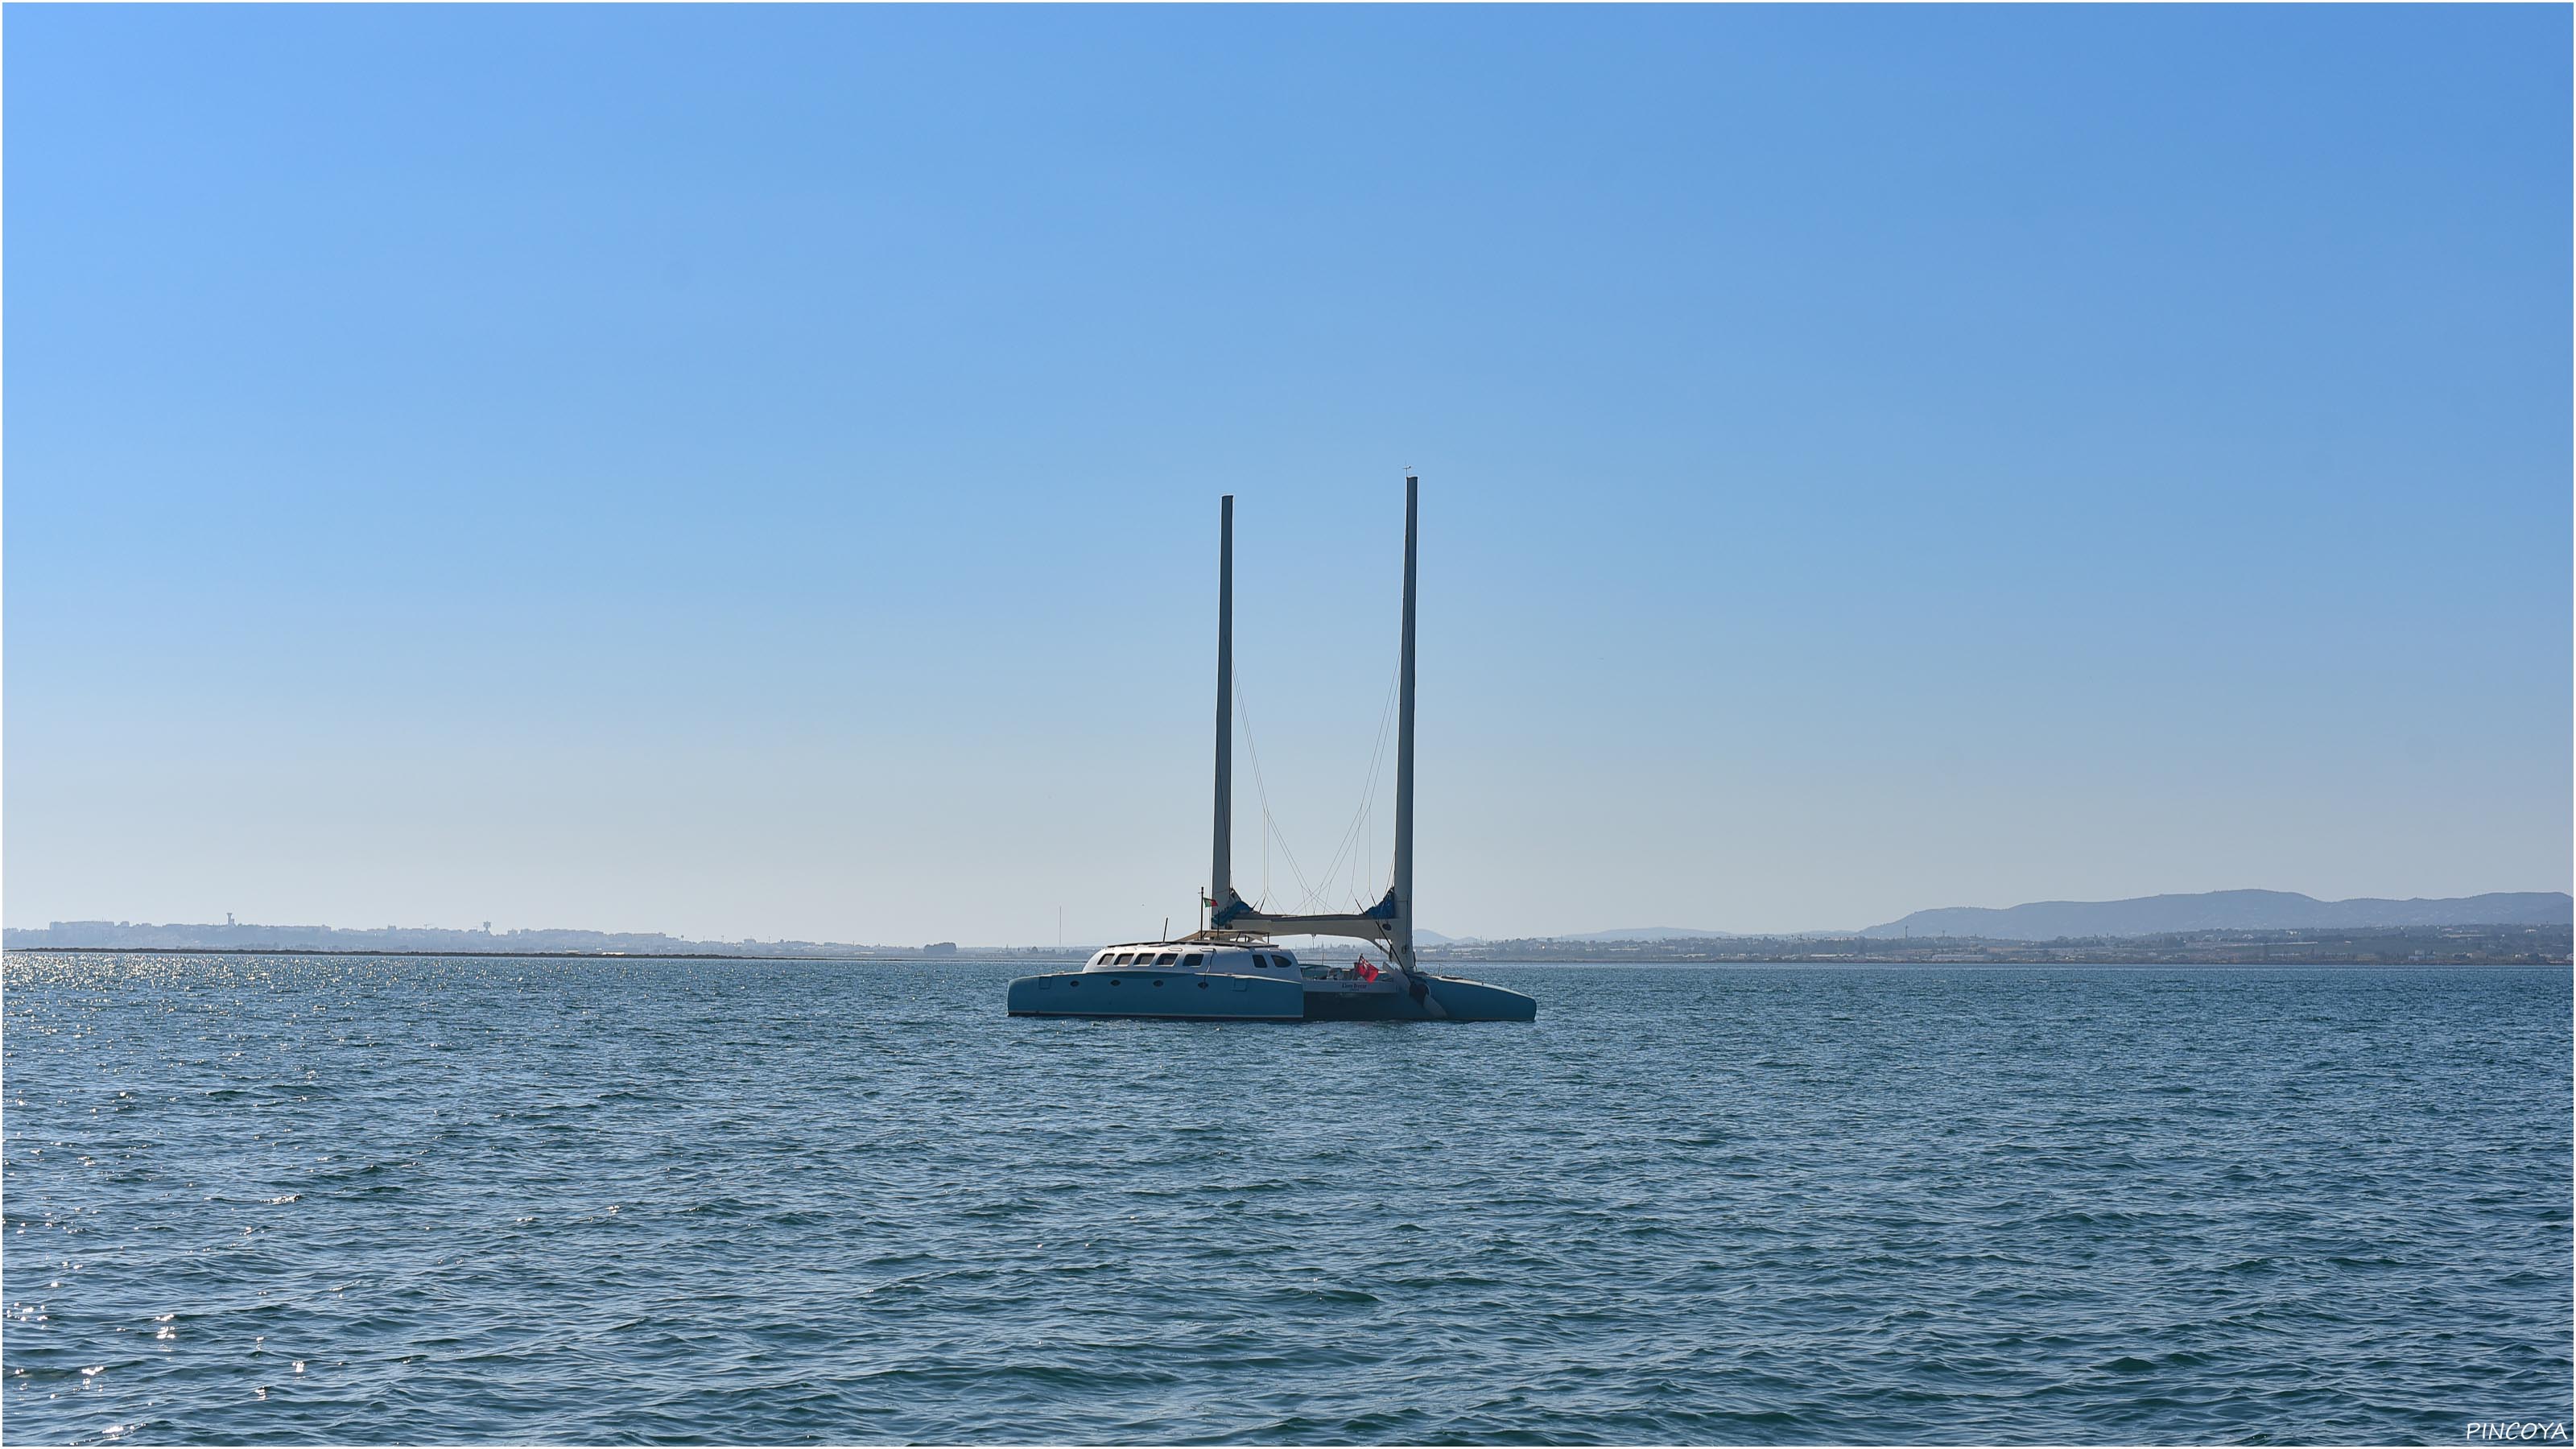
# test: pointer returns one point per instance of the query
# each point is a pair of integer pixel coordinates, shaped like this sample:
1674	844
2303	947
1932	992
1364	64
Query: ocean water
305	1199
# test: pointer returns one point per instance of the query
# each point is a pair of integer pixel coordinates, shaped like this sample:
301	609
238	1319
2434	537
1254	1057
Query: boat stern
1463	1000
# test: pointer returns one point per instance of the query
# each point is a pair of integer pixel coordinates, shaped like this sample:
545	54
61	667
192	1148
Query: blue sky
753	471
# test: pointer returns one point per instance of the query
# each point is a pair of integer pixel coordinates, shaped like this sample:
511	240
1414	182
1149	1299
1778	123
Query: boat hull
1158	996
1195	996
1443	998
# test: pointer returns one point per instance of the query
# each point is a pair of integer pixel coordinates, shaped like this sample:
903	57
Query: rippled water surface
457	1200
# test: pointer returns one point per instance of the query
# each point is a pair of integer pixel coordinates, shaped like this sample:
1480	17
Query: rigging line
1351	843
1269	825
1354	835
1377	772
1359	835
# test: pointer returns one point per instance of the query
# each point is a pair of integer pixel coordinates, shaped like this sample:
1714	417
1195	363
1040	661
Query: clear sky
754	471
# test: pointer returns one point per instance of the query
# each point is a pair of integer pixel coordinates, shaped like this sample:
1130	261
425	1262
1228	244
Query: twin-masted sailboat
1231	970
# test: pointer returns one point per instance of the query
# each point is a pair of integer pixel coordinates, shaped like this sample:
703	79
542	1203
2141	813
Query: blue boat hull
1159	996
1191	996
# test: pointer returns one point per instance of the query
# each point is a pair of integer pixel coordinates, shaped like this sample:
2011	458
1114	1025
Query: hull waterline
1192	996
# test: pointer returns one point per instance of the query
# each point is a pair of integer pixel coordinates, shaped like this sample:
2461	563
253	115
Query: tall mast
1404	745
1220	862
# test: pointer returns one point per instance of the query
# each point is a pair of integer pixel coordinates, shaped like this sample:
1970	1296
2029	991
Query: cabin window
1124	957
1192	959
1165	959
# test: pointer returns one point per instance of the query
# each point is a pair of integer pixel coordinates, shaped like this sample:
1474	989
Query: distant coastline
868	953
2241	927
2505	945
2422	946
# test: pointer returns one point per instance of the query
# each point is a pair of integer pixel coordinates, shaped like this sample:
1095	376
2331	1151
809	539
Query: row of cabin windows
1148	958
1167	958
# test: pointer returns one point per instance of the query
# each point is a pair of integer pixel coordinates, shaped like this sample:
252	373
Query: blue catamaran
1232	970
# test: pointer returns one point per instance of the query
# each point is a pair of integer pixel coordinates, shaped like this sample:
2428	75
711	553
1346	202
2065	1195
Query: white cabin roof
1200	956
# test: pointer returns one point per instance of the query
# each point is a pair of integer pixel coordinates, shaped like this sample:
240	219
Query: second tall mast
1221	863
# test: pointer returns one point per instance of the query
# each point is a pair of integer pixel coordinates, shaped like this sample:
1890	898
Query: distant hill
2229	911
